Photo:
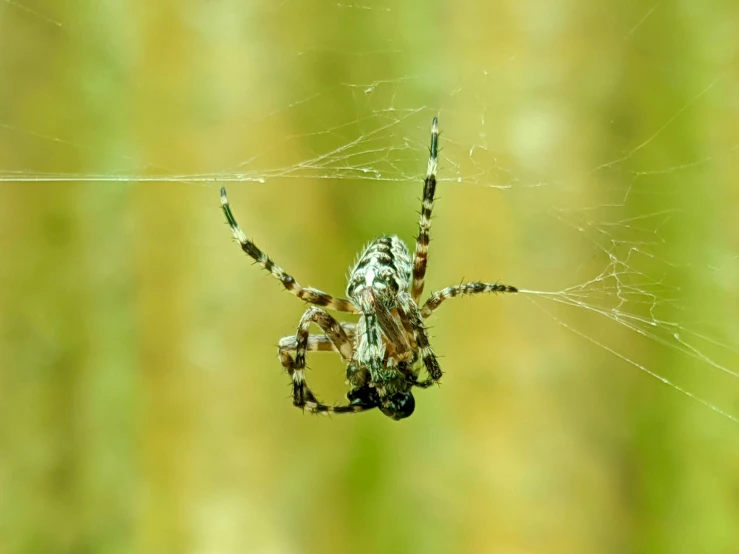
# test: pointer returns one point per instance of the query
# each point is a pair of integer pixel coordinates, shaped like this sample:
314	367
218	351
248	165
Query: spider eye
399	405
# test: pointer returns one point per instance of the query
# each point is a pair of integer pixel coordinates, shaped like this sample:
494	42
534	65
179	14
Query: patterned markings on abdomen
384	266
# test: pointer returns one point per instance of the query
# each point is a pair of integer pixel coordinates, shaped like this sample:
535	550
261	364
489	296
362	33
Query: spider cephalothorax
384	348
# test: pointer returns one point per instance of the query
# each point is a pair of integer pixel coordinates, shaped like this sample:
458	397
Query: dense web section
625	255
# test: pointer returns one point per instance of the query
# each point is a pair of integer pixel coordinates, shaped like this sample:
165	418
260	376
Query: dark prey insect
387	347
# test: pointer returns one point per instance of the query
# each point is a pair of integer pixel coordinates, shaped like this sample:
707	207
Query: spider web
599	203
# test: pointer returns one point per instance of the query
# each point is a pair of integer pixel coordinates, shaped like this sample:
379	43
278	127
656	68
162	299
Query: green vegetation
142	407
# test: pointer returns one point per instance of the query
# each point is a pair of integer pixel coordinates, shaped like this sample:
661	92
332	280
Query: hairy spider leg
308	294
303	397
406	368
437	298
424	222
316	343
309	401
409	309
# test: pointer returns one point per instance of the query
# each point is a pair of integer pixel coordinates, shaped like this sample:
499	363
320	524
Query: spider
383	348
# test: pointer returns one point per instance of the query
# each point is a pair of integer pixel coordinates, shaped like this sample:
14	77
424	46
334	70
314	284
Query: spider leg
310	402
409	309
316	343
303	397
424	223
437	298
405	369
308	294
426	383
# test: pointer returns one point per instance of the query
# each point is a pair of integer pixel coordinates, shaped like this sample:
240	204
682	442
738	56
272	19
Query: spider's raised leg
303	397
424	223
409	310
308	294
437	298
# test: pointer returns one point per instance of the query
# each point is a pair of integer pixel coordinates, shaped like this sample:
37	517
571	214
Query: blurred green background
590	150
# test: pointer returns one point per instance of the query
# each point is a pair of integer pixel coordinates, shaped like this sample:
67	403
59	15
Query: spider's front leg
308	294
424	222
437	298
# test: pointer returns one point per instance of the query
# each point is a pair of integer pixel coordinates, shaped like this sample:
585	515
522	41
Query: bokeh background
590	151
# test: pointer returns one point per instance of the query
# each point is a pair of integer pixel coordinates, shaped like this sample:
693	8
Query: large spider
383	348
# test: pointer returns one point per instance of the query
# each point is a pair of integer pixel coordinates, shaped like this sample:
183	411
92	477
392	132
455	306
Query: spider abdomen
385	267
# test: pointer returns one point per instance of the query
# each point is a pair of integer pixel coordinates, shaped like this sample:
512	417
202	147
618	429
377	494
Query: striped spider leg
424	223
437	298
308	294
337	337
